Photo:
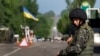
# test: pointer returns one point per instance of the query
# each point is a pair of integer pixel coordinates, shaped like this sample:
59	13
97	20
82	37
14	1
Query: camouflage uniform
82	44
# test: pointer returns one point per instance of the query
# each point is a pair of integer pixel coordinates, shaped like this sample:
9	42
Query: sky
56	5
97	4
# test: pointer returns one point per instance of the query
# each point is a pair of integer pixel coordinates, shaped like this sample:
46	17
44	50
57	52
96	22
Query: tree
64	22
43	27
49	14
45	20
32	6
10	14
12	17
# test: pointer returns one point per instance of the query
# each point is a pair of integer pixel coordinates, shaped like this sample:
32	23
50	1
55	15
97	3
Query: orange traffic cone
31	41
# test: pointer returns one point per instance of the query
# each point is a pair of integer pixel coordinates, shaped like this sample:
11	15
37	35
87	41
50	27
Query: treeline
11	16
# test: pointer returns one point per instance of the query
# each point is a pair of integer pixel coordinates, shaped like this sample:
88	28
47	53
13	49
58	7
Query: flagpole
27	14
25	27
25	31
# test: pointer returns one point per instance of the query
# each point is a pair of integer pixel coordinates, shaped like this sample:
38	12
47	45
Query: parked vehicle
94	22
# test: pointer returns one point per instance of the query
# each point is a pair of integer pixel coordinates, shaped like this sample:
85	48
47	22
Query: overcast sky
56	5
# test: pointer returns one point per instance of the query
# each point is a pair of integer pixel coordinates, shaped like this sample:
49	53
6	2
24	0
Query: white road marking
12	52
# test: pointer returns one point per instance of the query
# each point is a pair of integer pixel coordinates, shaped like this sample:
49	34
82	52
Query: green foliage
12	17
11	13
49	14
32	6
43	26
63	23
49	17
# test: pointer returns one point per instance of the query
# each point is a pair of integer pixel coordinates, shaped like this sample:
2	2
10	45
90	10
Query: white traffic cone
23	43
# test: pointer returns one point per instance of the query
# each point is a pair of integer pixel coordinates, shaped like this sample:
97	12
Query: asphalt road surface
37	49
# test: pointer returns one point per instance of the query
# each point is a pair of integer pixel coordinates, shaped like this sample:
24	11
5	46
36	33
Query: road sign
85	5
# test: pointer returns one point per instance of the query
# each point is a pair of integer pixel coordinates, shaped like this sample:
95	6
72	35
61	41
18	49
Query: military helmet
78	13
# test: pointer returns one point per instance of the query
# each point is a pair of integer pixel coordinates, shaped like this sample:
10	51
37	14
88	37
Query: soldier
81	42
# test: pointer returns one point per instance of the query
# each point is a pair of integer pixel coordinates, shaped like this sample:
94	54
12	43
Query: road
37	49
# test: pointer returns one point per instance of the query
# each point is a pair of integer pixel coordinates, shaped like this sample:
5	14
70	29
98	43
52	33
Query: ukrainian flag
27	14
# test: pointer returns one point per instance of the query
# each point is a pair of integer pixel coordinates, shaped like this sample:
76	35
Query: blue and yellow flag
27	14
